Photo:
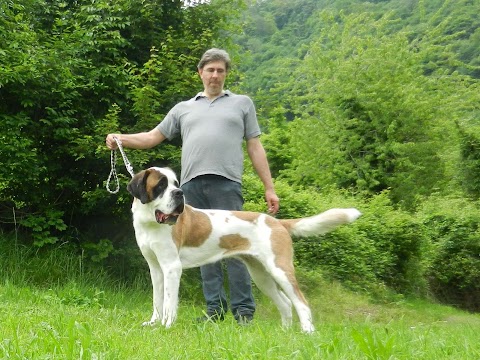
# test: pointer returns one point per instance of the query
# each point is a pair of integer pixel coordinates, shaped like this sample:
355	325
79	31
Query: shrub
401	241
385	246
454	263
342	255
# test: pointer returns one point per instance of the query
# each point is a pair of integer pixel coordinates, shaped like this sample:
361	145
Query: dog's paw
149	323
308	328
168	321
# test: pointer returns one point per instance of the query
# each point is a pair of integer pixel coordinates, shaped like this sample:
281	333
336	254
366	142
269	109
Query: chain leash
113	172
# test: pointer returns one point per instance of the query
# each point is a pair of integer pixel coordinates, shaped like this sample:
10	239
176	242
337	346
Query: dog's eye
163	182
176	183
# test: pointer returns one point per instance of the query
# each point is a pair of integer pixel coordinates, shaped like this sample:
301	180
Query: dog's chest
149	234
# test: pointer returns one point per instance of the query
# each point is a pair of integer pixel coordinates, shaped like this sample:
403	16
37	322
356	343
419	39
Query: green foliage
401	245
72	72
454	264
470	150
74	295
375	92
384	246
52	95
100	250
44	267
372	346
43	226
367	117
342	255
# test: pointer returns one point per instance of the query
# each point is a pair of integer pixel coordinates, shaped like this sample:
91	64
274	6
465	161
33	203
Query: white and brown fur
199	237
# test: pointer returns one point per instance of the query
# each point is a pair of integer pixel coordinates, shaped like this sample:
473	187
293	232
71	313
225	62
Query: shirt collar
200	95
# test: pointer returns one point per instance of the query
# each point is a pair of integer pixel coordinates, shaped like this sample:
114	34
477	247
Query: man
213	126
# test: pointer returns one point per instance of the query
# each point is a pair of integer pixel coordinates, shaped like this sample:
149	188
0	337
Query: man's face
213	77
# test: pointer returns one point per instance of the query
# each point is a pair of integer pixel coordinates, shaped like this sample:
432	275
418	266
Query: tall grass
53	307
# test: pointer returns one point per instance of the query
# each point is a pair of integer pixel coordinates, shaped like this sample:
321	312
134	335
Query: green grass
80	317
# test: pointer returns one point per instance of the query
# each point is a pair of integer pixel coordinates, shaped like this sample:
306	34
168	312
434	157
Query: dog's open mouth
163	218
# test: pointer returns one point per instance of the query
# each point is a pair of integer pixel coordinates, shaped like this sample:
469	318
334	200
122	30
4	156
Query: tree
367	116
71	72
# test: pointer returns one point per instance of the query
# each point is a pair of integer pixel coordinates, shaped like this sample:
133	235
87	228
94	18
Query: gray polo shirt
212	134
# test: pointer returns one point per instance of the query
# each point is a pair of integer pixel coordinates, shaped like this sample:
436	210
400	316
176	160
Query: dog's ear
137	186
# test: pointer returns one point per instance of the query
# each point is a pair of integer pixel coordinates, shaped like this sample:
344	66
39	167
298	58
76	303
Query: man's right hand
110	141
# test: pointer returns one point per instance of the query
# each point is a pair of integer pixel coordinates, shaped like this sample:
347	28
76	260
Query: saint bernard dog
172	235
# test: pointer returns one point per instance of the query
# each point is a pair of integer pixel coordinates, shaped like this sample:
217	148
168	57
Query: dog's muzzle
178	205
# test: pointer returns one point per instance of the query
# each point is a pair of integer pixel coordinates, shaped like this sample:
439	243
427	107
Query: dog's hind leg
156	275
285	278
280	266
269	287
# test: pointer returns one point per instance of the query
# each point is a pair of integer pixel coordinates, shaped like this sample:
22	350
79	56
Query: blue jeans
218	192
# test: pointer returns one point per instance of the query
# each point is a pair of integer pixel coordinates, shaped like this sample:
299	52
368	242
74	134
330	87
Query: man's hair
215	55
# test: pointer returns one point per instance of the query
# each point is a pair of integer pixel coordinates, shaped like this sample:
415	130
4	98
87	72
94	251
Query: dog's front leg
172	274
156	274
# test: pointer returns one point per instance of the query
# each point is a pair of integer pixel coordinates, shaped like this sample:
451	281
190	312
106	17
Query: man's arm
144	140
257	155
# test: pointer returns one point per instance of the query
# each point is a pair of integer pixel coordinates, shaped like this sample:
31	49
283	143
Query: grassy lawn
52	307
73	321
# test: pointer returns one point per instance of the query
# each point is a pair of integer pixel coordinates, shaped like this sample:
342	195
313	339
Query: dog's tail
321	223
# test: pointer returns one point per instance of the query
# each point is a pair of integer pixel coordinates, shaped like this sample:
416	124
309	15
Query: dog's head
158	187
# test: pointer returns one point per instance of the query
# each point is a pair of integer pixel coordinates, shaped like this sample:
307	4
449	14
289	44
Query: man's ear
137	186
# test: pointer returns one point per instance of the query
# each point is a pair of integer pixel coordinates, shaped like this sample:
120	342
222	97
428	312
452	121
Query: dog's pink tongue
160	217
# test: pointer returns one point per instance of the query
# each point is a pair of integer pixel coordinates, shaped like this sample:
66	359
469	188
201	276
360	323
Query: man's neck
211	96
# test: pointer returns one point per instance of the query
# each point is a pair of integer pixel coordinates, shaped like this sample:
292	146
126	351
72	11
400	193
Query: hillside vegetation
377	101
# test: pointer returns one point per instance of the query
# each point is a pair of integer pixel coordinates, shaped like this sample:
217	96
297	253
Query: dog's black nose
177	193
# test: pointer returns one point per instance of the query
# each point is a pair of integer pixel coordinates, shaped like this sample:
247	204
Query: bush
341	255
401	242
454	263
385	246
72	72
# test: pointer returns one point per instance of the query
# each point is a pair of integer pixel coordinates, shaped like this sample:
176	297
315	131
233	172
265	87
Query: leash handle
124	156
113	172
